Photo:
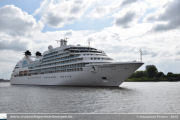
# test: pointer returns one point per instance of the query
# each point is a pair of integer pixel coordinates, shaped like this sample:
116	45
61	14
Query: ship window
104	78
24	62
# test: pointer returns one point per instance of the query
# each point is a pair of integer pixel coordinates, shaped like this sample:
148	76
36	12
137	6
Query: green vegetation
160	74
151	74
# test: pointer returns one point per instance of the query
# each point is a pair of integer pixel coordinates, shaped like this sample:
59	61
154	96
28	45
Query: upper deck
62	59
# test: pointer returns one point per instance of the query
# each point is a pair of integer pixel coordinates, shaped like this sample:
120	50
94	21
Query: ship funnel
38	54
27	53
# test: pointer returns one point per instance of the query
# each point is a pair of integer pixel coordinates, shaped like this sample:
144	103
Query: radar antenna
58	40
62	42
65	38
140	54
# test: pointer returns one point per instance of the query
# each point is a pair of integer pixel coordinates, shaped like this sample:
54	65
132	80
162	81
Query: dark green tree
169	74
175	75
133	75
164	76
139	74
159	74
145	73
152	72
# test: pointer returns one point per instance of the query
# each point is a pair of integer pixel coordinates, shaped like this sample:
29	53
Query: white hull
114	76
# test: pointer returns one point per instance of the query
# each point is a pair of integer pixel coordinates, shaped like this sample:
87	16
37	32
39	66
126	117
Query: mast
140	54
63	42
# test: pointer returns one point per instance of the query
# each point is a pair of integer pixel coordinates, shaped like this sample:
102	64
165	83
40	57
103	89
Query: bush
159	74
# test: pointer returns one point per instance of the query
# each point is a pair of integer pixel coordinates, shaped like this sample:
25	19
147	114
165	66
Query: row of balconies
49	55
63	62
54	69
54	64
44	59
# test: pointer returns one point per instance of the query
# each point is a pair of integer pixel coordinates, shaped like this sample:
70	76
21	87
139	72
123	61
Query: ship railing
87	50
54	56
54	69
51	54
62	59
64	67
52	61
54	64
55	61
33	71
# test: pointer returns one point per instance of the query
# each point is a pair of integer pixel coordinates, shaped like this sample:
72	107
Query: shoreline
151	81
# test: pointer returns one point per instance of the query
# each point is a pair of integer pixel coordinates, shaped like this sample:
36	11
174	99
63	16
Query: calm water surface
131	97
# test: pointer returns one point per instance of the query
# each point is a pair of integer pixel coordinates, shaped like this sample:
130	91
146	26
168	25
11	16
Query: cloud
177	59
129	16
101	11
15	22
68	33
58	13
166	18
178	53
125	20
13	45
129	49
110	8
126	2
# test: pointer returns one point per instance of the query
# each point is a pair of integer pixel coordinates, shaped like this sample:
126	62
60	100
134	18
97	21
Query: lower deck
98	75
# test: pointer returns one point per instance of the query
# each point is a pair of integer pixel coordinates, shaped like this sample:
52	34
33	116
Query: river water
130	97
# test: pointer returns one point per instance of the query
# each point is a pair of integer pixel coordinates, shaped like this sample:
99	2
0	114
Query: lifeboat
21	72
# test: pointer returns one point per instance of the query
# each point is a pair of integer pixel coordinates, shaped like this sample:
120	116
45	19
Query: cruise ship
70	65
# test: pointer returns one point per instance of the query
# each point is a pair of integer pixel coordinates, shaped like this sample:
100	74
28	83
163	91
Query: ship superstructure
71	65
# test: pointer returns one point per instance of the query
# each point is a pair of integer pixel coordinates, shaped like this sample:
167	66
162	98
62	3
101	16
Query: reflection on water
131	97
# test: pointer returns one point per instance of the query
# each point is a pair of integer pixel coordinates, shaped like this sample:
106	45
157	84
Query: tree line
152	72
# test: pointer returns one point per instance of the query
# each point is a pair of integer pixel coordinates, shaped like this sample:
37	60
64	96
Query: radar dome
78	45
50	47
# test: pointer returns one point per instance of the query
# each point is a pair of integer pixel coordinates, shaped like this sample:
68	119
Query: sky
118	27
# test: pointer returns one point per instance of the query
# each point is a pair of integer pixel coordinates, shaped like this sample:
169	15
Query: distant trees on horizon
152	72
